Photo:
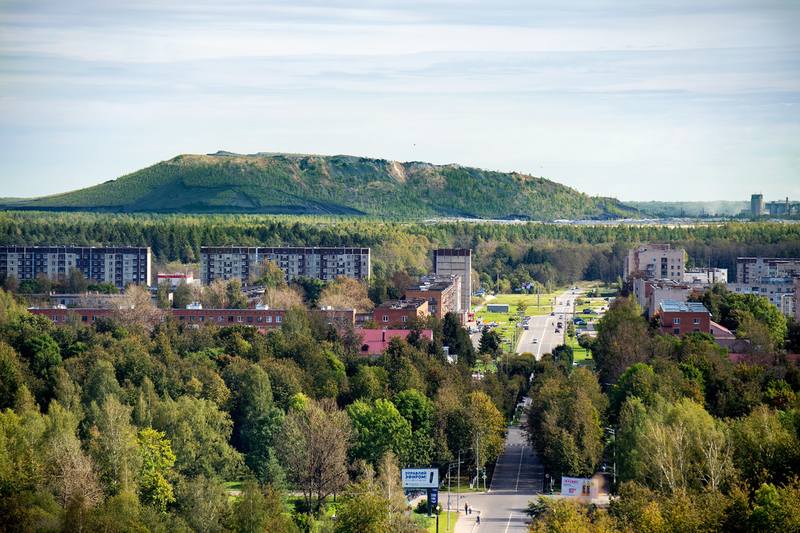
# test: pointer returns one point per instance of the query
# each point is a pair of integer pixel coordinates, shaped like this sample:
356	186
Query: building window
696	321
269	319
278	318
676	331
676	321
404	319
386	318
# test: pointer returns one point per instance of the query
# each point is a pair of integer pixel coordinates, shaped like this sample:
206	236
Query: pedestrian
466	507
478	518
470	509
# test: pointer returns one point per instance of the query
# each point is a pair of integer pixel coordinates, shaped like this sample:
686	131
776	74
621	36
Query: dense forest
323	185
122	426
511	254
696	443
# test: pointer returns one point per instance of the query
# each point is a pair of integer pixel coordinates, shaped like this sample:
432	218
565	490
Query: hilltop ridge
284	183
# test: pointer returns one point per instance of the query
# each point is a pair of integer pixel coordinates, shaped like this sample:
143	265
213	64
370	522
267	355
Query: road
542	328
517	479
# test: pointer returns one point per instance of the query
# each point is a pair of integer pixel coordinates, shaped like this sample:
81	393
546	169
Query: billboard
577	486
420	478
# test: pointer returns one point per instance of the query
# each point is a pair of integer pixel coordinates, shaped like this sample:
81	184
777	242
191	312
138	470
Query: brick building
443	294
680	318
399	312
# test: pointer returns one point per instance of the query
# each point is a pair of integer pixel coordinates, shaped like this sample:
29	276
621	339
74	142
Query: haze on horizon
646	100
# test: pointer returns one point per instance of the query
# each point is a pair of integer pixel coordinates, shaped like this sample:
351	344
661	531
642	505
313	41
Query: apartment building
456	261
120	266
772	288
655	261
705	277
399	312
650	293
750	269
443	294
244	263
680	318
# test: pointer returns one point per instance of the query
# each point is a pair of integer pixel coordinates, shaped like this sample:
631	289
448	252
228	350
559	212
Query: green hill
312	184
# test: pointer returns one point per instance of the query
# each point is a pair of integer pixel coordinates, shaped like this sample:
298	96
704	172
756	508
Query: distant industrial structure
780	208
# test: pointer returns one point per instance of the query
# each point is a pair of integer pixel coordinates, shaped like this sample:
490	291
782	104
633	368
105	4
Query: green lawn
430	523
580	354
506	322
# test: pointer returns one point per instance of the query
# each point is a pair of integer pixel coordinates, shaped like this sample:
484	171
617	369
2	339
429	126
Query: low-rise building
176	278
680	318
497	308
375	341
650	293
399	312
443	294
705	277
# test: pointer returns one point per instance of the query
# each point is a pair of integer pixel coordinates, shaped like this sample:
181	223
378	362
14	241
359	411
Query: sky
644	100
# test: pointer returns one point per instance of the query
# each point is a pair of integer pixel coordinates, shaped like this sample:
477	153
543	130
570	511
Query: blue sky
662	100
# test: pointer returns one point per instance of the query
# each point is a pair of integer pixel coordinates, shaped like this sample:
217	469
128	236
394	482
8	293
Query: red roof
375	341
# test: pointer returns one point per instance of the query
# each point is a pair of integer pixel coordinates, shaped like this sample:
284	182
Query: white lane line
508	523
519	469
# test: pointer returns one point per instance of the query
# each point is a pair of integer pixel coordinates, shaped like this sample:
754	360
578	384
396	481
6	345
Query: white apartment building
658	261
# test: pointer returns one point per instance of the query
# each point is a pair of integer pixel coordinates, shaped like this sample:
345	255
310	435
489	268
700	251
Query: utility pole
458	484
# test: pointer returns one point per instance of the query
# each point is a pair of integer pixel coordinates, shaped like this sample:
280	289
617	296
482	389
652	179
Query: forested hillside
311	184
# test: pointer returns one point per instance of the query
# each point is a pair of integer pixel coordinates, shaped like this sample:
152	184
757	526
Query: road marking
508	523
519	469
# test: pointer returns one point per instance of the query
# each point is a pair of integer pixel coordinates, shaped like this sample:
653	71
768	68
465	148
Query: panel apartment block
243	263
458	261
752	269
118	265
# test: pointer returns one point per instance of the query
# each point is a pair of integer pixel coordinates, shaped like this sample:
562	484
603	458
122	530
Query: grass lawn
430	523
580	354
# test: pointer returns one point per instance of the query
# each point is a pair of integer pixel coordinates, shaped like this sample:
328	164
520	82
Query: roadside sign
420	478
434	498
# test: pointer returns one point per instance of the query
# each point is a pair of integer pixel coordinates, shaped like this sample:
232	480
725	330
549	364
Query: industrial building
245	263
119	266
756	205
456	261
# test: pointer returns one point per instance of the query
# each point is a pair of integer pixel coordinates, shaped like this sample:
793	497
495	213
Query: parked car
535	341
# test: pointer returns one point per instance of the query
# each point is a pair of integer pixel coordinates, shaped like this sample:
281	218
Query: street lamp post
449	468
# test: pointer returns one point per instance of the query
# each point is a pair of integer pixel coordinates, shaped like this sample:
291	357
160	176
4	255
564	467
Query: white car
535	341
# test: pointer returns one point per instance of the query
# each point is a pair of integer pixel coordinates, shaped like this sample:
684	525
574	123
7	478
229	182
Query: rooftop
413	303
671	306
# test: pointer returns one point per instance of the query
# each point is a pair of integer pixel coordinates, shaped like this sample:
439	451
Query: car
553	313
525	327
535	341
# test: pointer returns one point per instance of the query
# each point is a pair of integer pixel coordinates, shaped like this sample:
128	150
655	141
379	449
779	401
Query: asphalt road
517	479
542	328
